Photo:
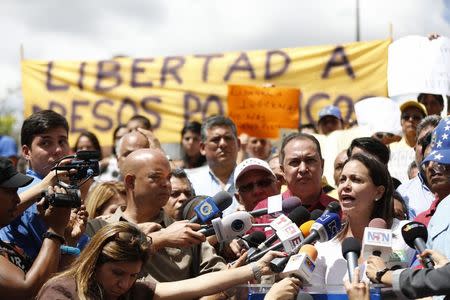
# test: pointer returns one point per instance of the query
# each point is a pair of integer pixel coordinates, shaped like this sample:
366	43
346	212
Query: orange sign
262	111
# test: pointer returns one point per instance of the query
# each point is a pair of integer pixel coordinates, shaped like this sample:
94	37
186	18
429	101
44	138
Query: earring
376	199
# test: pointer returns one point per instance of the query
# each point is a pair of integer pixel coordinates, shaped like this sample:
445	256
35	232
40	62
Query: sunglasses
262	183
413	117
437	167
382	135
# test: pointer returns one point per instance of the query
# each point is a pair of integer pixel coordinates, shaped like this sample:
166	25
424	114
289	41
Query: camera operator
44	137
20	277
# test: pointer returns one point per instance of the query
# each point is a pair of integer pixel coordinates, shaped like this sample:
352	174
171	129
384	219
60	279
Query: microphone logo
206	209
380	237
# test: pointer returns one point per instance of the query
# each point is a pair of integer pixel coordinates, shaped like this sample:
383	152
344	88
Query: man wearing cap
437	171
402	152
330	119
20	277
8	148
254	181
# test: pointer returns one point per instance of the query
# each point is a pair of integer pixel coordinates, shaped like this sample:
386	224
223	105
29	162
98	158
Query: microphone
252	240
211	206
415	235
325	228
351	249
315	214
229	227
285	228
377	240
333	207
287	205
302	265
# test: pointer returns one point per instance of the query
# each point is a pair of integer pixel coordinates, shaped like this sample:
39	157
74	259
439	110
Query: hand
264	262
374	264
179	234
55	218
76	226
285	289
236	248
439	259
357	290
239	262
149	227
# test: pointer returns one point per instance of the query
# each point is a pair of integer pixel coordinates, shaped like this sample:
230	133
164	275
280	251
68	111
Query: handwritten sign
418	65
262	111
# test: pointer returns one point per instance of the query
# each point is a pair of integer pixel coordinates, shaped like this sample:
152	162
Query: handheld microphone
315	214
230	226
211	206
377	240
325	228
351	249
415	235
287	205
302	265
286	229
333	207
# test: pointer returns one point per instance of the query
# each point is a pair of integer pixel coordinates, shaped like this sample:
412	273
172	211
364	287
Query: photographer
44	138
20	277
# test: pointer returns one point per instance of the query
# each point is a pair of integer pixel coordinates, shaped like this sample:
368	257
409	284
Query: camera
86	165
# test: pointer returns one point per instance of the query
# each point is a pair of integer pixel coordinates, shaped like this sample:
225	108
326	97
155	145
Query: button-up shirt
417	195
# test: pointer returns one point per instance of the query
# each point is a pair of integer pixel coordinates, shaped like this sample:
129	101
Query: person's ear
380	192
129	181
26	152
202	148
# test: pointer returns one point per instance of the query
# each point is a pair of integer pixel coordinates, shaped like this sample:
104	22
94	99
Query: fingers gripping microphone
351	249
287	206
415	235
211	206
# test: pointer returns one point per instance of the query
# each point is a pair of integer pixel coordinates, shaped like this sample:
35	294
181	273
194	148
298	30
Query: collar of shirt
229	186
322	202
32	173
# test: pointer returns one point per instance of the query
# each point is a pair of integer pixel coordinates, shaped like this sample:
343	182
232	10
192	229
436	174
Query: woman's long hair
378	172
115	242
100	194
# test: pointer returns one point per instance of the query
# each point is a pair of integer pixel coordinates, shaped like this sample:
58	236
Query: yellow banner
172	90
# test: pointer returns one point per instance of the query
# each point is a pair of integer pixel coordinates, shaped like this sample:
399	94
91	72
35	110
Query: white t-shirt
331	266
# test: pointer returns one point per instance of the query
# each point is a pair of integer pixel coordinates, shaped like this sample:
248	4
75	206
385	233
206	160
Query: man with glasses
402	152
220	146
437	171
416	191
254	181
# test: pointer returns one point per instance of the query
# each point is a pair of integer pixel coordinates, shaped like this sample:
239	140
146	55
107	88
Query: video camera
83	166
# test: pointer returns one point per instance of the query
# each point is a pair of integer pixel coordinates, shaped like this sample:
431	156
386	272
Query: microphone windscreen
223	200
188	209
299	215
334	207
289	204
315	214
310	250
412	231
305	228
351	244
255	238
378	223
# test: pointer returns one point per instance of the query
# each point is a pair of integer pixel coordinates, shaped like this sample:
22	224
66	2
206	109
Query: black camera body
86	165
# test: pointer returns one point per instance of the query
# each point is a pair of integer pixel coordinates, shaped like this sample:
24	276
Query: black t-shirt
16	255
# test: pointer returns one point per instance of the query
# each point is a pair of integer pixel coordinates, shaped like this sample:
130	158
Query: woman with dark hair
110	264
190	146
365	193
88	141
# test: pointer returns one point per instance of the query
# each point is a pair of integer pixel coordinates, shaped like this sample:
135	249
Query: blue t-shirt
27	229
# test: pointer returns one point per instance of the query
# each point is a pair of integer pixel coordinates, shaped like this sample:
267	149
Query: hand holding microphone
302	265
208	208
415	235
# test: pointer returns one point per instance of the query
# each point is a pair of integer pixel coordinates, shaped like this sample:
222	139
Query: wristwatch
53	236
256	269
380	274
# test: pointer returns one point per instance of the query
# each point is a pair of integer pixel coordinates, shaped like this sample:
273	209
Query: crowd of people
130	236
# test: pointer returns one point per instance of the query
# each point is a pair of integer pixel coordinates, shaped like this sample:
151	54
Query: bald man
179	251
130	142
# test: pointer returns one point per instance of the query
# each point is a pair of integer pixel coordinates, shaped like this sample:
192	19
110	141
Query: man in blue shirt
44	137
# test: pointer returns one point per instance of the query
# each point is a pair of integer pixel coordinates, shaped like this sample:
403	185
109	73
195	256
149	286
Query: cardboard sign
262	111
418	65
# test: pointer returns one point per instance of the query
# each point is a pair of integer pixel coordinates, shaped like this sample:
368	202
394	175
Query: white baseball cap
251	164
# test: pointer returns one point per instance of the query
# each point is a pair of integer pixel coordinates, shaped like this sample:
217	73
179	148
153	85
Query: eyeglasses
416	118
262	183
437	167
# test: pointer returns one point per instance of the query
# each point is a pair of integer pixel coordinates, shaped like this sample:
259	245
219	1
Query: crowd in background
130	238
